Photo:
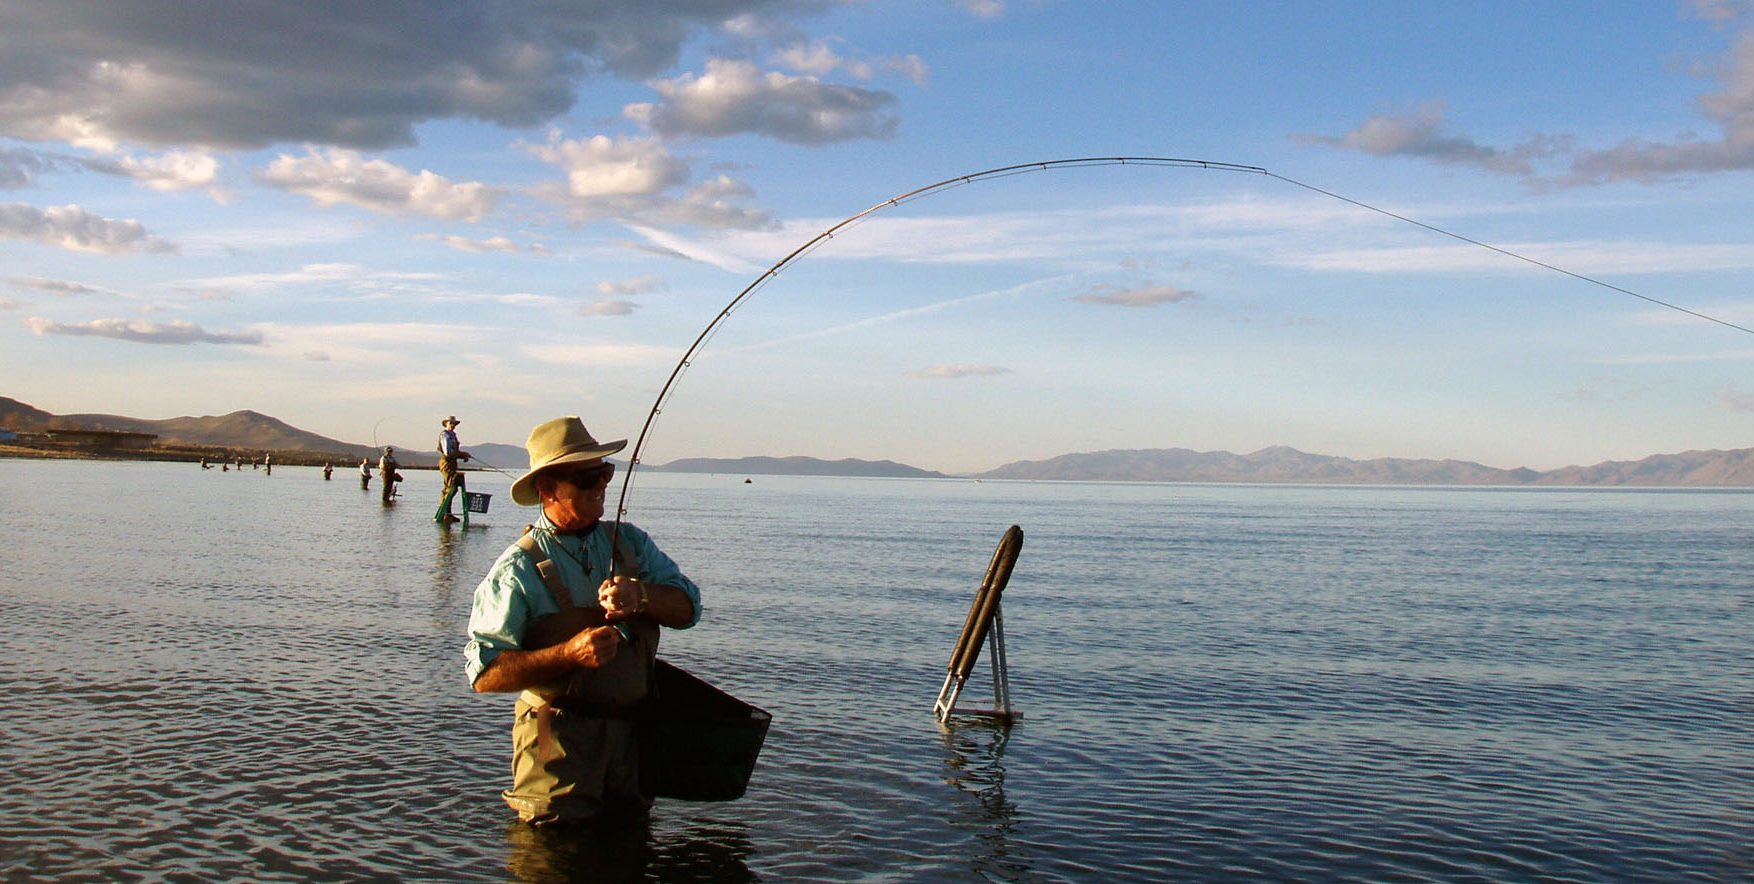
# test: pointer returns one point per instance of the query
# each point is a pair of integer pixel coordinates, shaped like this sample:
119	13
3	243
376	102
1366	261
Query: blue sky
360	218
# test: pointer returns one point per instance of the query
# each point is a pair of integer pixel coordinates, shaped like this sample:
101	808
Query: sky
360	218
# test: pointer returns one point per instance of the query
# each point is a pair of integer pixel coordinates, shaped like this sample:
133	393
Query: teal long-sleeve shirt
512	595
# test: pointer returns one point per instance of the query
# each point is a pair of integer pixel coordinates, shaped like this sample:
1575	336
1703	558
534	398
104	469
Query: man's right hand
593	647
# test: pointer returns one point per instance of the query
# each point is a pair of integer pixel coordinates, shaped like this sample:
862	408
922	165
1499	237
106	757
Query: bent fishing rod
813	243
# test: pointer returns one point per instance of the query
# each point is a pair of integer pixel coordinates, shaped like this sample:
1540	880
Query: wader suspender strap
545	744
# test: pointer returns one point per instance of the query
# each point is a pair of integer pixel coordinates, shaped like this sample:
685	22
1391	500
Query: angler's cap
450	420
563	440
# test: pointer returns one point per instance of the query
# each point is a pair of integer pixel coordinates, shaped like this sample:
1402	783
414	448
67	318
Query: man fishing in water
569	616
449	453
387	471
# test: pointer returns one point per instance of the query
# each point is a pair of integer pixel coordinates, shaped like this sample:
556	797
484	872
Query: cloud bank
141	331
249	75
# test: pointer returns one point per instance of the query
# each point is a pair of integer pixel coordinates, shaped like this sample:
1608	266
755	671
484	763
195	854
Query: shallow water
225	676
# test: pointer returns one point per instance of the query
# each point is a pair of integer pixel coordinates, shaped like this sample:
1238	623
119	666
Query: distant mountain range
799	466
1269	465
252	431
1290	466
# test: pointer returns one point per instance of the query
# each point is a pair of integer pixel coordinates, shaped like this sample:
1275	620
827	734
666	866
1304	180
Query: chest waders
575	740
454	483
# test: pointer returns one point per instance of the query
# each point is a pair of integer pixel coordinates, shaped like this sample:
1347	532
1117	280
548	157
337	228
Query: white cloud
1736	400
1599	257
479	246
609	307
626	178
367	344
58	287
910	66
955	371
601	166
352	276
675	245
336	176
1419	133
1148	295
528	299
819	59
145	332
734	98
369	334
176	170
638	285
71	227
982	8
600	355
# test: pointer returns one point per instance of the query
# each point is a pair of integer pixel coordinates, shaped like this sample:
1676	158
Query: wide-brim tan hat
563	440
450	420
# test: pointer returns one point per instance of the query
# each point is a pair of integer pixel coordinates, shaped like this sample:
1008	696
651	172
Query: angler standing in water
387	473
569	615
365	474
449	453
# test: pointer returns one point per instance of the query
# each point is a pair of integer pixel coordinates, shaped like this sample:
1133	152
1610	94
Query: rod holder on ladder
985	617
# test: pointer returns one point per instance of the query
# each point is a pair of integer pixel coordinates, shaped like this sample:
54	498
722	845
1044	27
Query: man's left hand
622	597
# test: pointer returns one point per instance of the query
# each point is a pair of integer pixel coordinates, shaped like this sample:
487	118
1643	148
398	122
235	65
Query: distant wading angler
449	453
387	472
573	625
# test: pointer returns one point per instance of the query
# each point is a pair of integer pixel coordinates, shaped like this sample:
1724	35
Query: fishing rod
479	462
1006	171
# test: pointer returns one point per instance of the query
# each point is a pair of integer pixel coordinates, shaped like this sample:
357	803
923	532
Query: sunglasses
589	477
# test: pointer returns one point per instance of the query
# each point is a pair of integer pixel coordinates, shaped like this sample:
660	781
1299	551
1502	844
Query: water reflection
445	563
975	766
631	852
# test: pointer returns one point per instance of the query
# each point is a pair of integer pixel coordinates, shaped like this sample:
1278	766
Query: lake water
241	677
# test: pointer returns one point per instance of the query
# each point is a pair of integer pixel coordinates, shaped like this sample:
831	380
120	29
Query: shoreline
214	455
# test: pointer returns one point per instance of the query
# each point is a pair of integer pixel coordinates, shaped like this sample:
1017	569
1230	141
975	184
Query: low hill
1689	468
513	459
15	415
240	431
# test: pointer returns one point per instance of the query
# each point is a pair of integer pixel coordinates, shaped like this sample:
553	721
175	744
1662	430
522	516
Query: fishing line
1508	253
819	239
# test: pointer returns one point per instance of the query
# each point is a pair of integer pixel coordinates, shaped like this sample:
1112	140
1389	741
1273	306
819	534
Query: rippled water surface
242	677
